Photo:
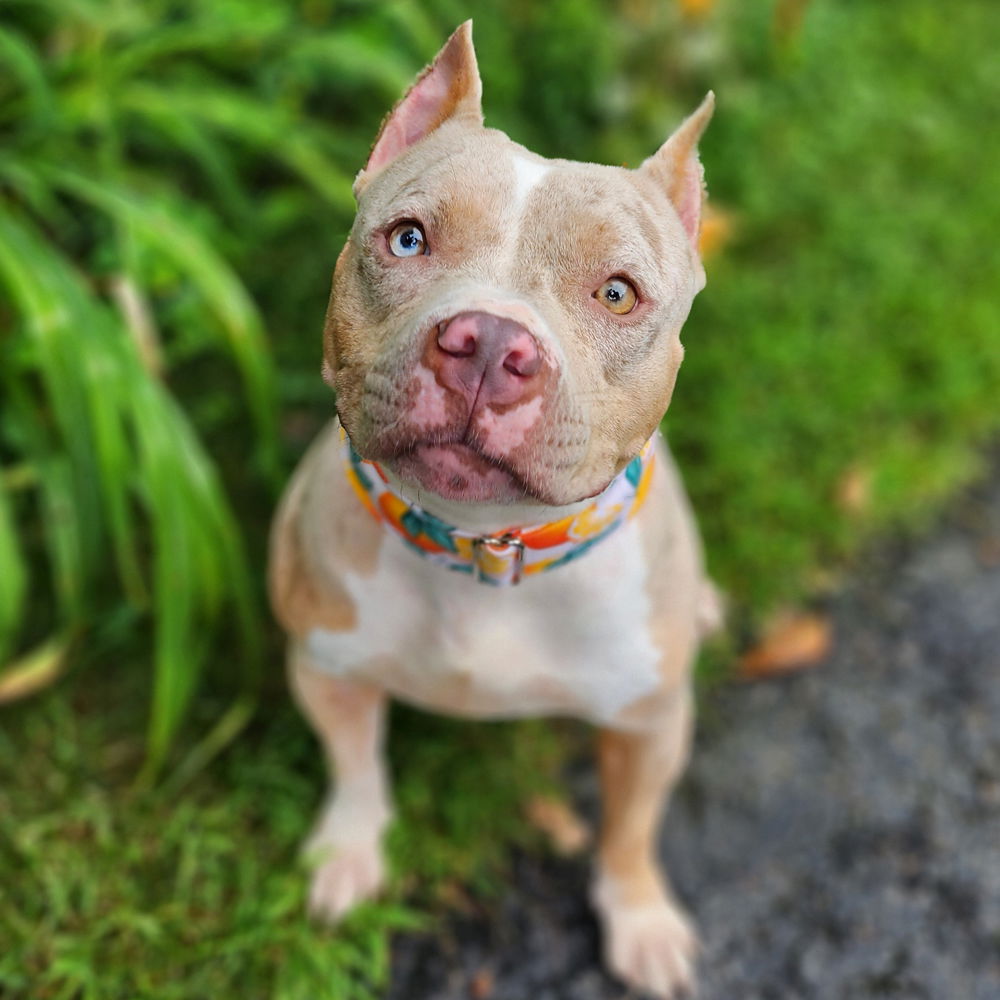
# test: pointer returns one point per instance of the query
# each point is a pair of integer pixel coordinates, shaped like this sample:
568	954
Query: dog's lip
518	480
462	446
407	449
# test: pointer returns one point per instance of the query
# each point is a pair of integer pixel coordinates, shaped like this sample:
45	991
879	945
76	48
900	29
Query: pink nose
486	358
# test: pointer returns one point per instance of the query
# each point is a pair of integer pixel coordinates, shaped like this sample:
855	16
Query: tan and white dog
503	339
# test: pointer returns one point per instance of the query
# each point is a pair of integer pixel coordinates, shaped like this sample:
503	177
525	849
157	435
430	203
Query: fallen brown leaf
792	642
567	832
455	896
696	9
35	670
988	551
788	18
482	984
854	489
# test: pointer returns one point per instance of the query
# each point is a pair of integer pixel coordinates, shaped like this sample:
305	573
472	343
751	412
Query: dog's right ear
677	169
448	88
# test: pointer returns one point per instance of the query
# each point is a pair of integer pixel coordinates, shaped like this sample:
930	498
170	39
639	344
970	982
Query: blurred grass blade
80	366
35	670
212	156
23	63
127	440
358	59
64	534
168	41
233	721
137	316
199	561
191	254
23	181
280	134
13	574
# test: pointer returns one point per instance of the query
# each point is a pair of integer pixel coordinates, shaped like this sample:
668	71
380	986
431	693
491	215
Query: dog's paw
651	947
343	876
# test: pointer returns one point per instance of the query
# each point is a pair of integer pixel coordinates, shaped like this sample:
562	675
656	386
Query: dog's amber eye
407	240
617	295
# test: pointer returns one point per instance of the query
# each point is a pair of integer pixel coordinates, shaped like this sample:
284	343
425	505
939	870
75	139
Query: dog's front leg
648	940
345	847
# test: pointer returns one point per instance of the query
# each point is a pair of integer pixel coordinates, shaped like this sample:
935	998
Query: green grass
854	324
850	329
111	893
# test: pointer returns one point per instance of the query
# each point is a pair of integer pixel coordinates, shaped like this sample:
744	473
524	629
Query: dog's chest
574	640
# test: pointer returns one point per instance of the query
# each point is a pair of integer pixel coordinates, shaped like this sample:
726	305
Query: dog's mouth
457	470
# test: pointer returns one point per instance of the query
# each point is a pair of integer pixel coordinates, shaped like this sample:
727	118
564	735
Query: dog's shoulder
320	532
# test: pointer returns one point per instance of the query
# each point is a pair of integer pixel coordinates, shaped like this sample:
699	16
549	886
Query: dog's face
505	328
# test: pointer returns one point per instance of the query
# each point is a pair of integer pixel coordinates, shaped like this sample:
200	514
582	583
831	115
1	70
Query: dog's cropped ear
448	88
675	166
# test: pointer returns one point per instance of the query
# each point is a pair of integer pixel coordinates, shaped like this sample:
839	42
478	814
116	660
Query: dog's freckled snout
493	356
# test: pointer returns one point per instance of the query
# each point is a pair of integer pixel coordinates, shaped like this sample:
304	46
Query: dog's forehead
549	195
486	175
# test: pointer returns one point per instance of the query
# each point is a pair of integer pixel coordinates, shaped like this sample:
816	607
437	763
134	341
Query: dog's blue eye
407	240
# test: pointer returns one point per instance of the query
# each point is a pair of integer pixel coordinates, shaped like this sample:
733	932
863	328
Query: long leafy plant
130	133
166	168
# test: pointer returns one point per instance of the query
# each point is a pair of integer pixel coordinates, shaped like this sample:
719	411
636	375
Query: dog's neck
497	544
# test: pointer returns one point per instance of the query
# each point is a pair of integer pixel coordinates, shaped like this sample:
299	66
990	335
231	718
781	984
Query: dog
492	526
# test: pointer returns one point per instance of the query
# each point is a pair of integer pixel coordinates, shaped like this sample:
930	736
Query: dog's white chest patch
573	641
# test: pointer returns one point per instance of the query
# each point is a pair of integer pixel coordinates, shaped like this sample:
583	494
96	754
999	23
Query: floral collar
504	558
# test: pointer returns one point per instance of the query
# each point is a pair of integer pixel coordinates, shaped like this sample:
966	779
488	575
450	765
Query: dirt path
838	834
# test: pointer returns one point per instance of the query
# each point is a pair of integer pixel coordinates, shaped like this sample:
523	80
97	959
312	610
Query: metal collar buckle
500	546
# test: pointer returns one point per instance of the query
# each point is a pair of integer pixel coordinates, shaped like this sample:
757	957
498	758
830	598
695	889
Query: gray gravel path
837	836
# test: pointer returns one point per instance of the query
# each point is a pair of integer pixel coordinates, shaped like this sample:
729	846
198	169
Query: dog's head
503	327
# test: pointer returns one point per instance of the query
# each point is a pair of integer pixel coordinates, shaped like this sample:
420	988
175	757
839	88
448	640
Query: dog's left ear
448	88
675	166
